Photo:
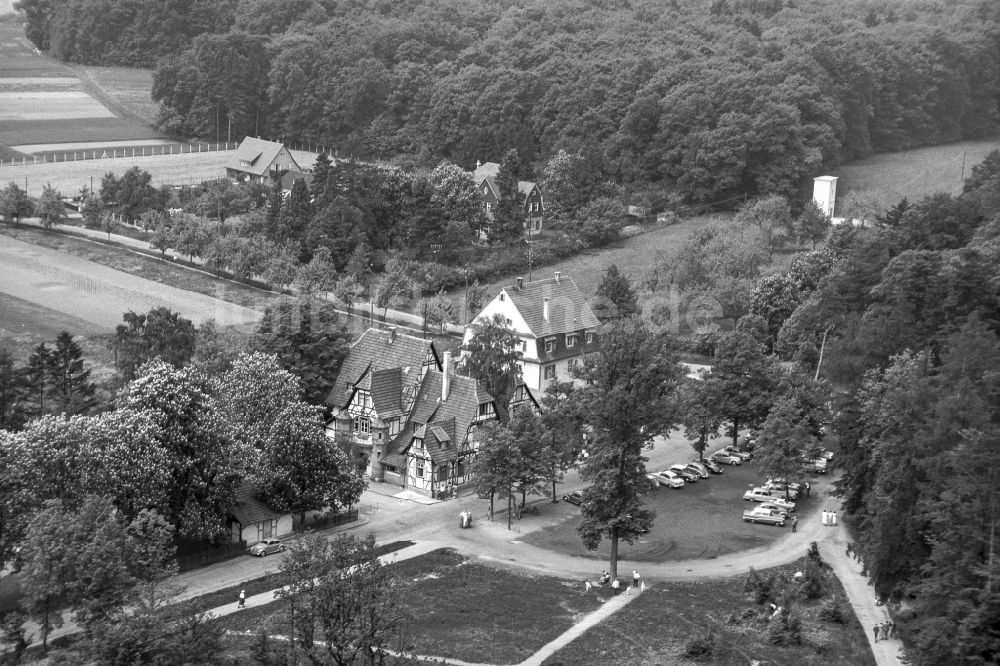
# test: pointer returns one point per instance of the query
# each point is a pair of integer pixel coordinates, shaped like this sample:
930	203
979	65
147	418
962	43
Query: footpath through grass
456	608
719	623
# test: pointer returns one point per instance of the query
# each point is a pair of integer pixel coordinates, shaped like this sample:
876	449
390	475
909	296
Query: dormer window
571	340
590	338
550	345
244	163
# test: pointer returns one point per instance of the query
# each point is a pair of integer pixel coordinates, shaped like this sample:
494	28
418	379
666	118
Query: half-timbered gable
375	391
433	452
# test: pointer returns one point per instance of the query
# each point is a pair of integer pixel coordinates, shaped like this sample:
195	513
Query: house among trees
375	391
485	177
433	453
251	520
554	322
261	161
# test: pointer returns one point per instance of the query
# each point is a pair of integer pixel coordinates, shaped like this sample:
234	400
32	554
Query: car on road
683	472
768	516
710	465
700	470
727	458
266	547
667	478
766	495
575	497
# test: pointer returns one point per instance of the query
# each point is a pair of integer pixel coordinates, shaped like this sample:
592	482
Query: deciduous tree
494	351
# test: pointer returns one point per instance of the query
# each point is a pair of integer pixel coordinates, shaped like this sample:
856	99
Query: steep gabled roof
439	421
259	154
247	509
488	172
387	391
568	309
379	350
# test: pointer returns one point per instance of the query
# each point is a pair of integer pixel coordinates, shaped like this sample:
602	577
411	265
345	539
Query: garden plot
50	105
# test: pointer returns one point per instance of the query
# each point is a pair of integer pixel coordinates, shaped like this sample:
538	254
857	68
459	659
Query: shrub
813	554
832	610
701	647
785	628
759	588
813	582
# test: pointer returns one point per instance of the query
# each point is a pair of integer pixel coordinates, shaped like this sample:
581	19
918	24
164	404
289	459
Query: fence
330	520
194	557
50	157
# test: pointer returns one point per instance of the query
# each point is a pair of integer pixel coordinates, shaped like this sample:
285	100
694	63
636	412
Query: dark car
575	497
712	466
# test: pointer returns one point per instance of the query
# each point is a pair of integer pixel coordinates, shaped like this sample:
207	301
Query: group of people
829	517
605	579
885	630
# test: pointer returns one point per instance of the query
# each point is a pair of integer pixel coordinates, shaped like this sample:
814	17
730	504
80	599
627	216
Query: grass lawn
127	88
702	520
146	267
459	609
914	173
24	324
657	627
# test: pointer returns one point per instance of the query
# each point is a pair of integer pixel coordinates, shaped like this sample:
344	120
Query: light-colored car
773	506
726	458
765	495
700	470
683	472
667	478
266	547
744	455
791	490
768	516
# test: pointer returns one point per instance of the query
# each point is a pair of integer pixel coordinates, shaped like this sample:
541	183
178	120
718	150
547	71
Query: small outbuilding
252	520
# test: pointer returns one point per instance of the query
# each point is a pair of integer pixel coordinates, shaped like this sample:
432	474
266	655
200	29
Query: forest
681	101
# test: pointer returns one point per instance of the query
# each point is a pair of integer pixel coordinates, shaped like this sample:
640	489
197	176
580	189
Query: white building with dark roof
554	322
261	161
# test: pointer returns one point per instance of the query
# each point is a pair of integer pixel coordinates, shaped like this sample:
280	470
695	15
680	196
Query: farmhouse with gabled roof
485	177
261	161
554	322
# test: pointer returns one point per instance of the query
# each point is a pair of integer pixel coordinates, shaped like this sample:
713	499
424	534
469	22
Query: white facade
825	193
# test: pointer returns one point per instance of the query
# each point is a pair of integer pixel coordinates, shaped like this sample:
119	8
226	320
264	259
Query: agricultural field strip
91	145
37	105
98	294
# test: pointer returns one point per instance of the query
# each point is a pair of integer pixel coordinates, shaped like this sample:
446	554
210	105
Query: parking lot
702	520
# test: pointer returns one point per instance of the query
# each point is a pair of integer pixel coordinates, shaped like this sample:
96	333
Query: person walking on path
795	522
875	630
243	599
615	585
635	578
807	489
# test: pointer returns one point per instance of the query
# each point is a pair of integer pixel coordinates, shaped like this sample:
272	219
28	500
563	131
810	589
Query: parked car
711	465
744	455
683	472
266	547
667	478
812	467
726	458
575	497
773	506
790	490
768	516
700	470
765	495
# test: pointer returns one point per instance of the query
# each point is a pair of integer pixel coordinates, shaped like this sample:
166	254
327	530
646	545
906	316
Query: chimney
446	377
545	309
557	277
519	283
392	334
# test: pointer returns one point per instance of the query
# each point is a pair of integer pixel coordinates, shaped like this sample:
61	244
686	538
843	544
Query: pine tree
508	217
72	390
37	378
618	296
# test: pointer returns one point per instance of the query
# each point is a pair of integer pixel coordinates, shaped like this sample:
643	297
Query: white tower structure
825	193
